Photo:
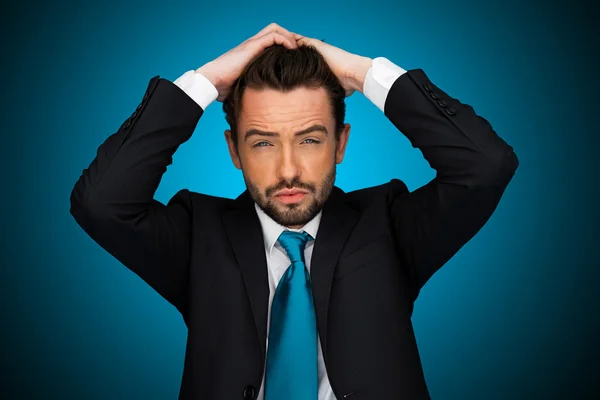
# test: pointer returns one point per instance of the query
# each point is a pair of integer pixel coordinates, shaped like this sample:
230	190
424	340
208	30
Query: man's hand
350	69
224	70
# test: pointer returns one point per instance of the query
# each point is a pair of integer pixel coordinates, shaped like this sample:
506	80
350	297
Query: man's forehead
301	98
301	105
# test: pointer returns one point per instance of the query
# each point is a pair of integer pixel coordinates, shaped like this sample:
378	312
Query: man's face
287	151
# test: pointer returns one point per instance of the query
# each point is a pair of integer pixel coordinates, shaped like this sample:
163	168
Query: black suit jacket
375	249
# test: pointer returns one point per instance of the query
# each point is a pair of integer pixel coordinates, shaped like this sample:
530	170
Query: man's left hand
350	69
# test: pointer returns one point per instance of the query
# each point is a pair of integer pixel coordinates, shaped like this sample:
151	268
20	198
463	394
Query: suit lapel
337	222
245	234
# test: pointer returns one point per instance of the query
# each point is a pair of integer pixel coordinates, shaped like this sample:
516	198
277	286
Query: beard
296	214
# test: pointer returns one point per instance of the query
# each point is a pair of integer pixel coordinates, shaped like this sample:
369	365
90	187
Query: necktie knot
294	243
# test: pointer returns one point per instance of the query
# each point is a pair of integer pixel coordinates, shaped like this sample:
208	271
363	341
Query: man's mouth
290	196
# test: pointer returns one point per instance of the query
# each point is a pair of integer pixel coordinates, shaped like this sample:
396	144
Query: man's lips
289	192
289	196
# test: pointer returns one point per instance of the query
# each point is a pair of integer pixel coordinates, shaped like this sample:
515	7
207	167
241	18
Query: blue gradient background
514	315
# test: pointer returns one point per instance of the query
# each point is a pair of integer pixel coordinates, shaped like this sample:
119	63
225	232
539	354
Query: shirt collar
271	229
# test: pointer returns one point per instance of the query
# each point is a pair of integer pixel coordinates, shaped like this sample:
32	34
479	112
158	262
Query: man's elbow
508	165
85	210
79	208
499	171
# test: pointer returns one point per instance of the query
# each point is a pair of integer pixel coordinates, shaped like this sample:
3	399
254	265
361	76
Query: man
294	290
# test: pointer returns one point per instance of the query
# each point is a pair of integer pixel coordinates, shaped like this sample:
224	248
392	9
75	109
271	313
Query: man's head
287	133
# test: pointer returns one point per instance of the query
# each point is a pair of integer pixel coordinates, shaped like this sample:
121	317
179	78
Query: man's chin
289	214
289	208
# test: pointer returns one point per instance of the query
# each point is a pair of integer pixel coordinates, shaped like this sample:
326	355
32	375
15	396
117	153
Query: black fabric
374	251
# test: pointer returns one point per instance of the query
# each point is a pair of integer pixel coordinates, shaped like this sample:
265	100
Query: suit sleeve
473	168
113	199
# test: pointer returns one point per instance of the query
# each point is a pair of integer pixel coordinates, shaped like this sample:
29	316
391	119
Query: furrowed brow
258	132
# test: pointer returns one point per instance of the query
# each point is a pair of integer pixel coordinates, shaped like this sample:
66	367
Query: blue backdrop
514	315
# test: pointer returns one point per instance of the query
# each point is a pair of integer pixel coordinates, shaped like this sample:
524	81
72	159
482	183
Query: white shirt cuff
380	78
198	87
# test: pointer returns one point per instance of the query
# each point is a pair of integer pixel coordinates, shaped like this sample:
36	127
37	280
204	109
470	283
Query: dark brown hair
283	69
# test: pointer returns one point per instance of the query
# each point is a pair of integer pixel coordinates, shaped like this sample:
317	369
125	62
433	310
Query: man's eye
313	141
260	144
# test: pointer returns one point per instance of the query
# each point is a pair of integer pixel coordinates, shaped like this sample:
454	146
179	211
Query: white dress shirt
378	81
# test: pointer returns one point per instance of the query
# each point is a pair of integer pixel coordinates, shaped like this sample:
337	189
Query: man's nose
288	166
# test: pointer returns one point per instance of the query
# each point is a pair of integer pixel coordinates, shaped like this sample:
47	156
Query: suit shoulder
200	201
388	191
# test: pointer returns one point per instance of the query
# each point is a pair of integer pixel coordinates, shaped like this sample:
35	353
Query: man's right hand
223	71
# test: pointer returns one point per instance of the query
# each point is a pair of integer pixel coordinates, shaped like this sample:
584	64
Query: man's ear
340	148
233	153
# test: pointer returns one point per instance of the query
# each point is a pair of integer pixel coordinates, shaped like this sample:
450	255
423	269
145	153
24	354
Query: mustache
293	184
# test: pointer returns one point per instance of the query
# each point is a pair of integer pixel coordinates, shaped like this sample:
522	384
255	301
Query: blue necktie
292	354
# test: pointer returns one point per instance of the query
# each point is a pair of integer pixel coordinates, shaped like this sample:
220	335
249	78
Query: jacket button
450	111
442	103
127	123
249	393
434	95
427	87
139	107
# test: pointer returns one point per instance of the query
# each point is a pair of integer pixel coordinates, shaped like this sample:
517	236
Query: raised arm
113	200
473	164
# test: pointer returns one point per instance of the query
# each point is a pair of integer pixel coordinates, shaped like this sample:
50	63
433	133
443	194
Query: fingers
273	27
304	40
273	38
263	31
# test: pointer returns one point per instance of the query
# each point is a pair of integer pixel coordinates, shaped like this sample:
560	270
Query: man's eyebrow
310	129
